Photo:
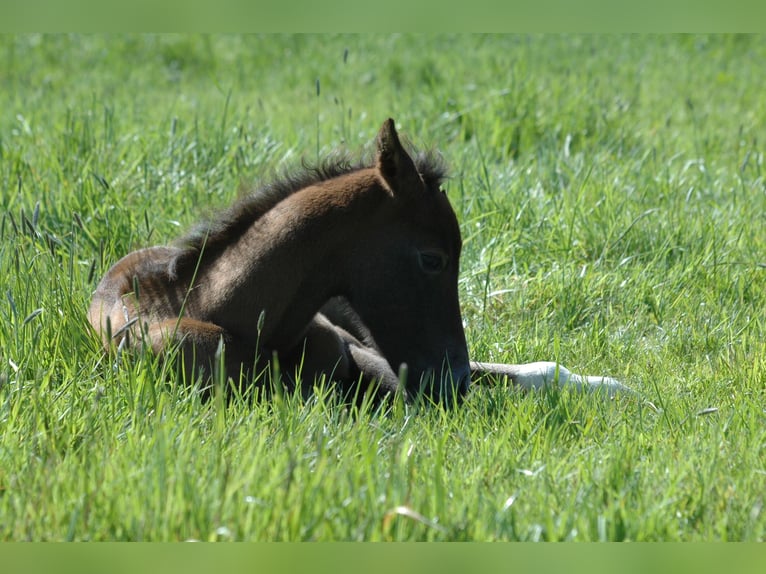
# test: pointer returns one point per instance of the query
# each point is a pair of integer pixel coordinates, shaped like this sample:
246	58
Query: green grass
612	201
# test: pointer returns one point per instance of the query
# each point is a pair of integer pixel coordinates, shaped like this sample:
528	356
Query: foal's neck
288	263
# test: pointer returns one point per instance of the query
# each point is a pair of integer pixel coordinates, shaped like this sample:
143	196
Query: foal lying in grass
344	271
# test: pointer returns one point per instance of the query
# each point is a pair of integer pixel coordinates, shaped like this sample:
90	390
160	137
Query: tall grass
611	196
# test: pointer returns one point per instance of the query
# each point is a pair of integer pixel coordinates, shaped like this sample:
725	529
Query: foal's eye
432	261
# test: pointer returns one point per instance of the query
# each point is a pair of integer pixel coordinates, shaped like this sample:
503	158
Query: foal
346	272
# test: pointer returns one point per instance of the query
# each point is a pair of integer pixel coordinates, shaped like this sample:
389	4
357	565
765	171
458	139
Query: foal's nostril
462	380
447	386
454	386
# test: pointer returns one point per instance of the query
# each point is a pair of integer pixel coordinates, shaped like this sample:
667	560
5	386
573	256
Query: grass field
612	201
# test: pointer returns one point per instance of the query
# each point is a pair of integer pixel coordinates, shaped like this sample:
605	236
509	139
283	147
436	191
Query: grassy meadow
612	200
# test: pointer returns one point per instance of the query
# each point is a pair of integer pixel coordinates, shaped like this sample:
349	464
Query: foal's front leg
535	376
326	350
331	351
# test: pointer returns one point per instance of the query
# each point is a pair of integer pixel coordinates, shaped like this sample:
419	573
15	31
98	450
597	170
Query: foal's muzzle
448	389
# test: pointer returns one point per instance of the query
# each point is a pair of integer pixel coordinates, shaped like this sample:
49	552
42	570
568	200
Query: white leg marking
535	376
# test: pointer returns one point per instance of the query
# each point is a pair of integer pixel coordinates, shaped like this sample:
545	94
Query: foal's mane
227	226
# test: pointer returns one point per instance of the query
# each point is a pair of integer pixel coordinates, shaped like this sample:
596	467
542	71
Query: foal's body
346	272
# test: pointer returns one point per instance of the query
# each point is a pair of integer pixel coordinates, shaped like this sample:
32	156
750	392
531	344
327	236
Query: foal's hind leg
199	348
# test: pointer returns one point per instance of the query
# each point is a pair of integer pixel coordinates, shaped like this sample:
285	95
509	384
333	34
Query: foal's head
406	291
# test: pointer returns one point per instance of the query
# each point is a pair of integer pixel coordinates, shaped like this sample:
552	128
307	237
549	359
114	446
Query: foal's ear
394	164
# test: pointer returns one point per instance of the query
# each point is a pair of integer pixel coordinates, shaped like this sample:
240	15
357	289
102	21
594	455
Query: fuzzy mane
227	226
